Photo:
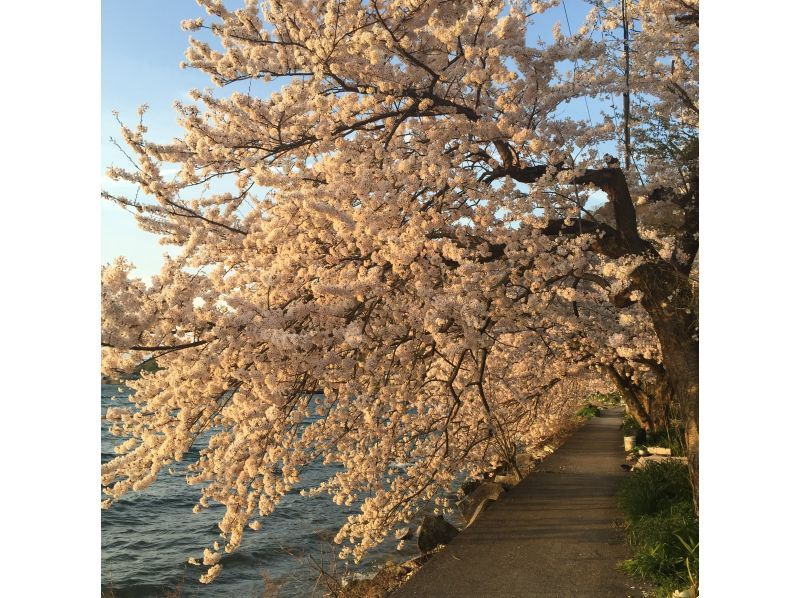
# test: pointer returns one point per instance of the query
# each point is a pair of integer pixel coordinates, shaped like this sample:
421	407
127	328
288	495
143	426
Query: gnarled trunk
669	300
632	399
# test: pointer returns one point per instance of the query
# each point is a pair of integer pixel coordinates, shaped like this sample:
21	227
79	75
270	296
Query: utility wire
615	113
588	113
574	62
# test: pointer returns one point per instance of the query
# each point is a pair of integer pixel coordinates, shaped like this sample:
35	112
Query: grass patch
588	411
654	488
662	529
665	548
610	399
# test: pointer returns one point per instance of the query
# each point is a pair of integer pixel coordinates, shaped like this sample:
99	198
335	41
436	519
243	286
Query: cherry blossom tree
403	268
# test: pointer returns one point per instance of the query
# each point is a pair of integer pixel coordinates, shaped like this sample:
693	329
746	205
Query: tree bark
635	406
661	396
669	300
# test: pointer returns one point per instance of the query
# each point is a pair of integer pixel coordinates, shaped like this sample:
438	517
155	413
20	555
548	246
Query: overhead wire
615	113
574	62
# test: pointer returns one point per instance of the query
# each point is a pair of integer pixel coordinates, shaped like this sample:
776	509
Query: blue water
147	538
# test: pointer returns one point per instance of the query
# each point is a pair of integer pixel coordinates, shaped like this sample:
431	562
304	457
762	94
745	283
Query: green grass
588	411
662	530
611	399
654	488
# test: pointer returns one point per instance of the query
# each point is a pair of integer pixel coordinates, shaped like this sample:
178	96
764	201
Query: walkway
556	534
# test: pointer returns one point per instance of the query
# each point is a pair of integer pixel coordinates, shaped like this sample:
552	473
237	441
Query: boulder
433	532
474	503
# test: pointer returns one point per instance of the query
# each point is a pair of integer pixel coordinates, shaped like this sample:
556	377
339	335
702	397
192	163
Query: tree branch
156	347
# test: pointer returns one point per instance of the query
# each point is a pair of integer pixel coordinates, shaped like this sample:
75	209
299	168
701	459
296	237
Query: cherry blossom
402	269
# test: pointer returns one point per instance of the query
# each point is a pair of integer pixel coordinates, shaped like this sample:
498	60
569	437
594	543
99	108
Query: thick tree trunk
682	365
661	394
669	300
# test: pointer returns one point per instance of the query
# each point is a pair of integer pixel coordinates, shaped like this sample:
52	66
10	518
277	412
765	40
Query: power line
615	114
574	62
626	97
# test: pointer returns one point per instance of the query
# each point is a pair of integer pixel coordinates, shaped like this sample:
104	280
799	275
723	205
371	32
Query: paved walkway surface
557	534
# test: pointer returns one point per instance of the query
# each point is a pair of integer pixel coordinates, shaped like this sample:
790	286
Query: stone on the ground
643	461
660	451
433	532
409	565
377	584
475	502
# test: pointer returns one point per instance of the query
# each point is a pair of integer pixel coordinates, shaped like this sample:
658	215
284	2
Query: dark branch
157	347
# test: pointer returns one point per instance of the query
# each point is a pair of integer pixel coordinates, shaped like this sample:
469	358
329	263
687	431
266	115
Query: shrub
662	527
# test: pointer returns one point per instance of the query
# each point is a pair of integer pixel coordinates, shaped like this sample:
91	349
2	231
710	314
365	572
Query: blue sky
142	45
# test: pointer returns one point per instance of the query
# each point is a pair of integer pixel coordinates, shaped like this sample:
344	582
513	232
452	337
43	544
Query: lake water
147	538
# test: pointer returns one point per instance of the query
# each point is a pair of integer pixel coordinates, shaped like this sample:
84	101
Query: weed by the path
657	486
662	529
588	411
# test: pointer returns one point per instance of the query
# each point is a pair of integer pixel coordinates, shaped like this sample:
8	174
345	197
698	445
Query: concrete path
557	534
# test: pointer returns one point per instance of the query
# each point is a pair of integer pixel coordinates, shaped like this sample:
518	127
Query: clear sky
142	46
